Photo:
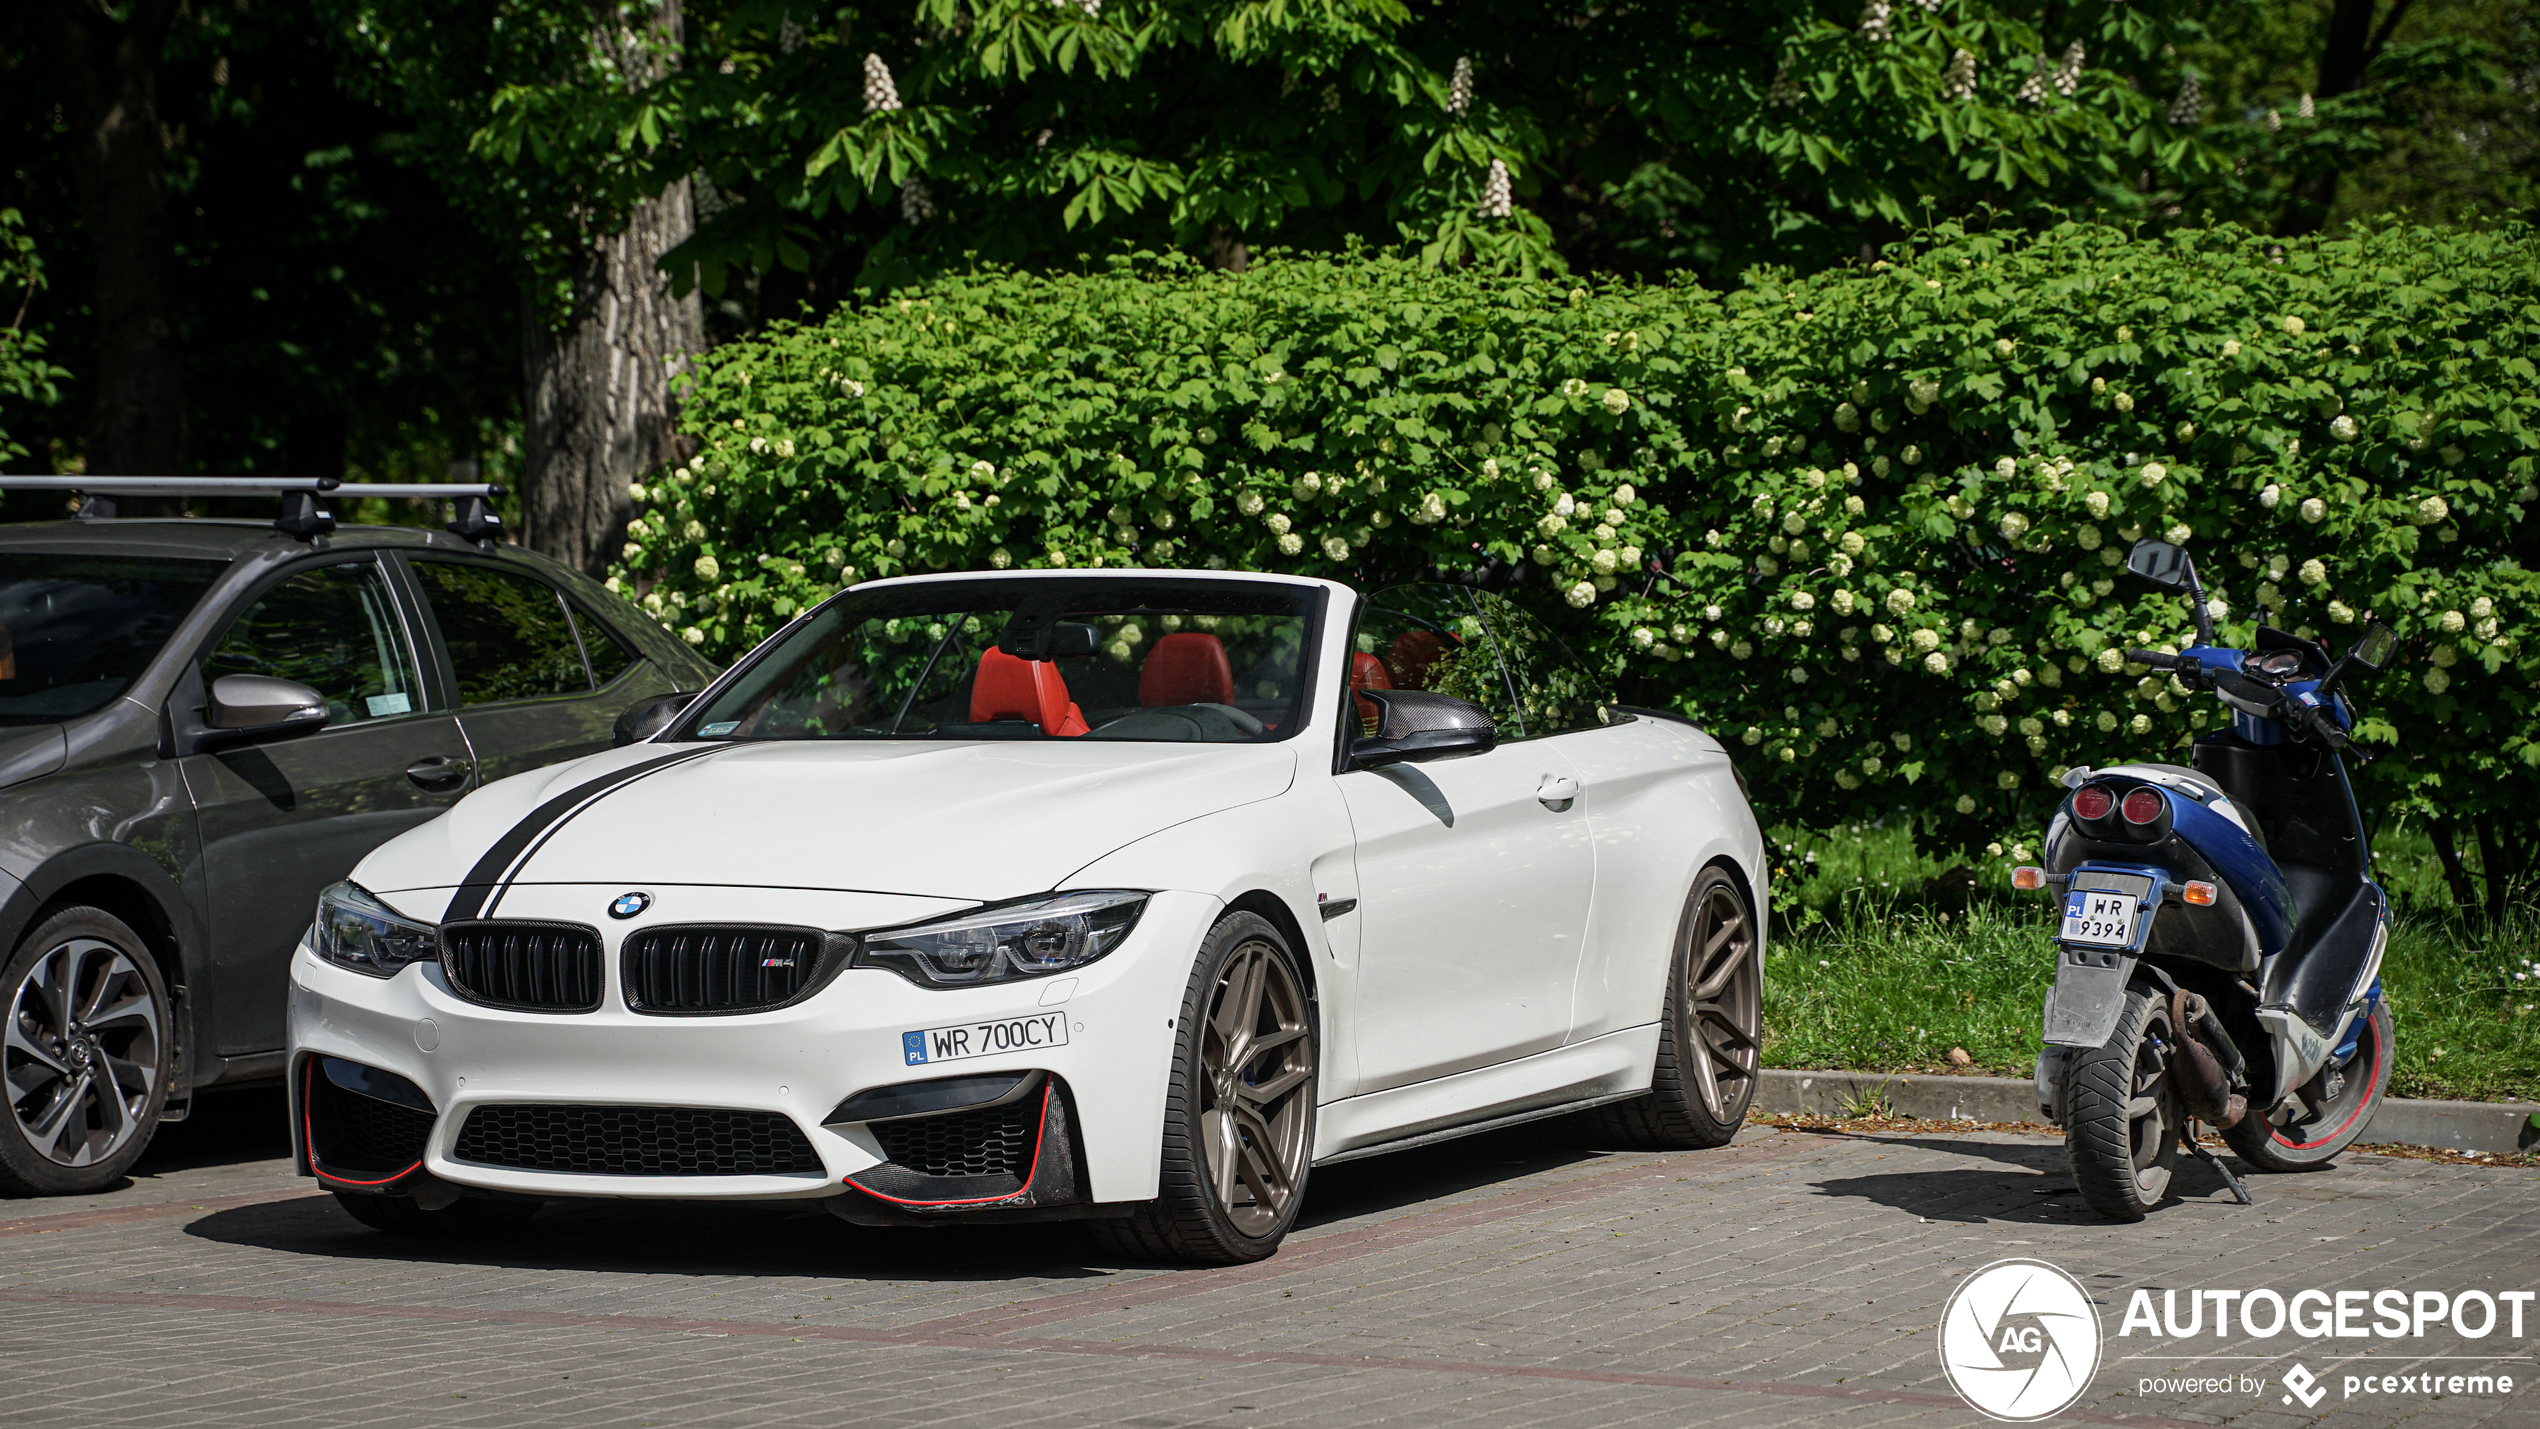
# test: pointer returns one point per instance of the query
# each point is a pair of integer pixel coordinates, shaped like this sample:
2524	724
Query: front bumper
799	1062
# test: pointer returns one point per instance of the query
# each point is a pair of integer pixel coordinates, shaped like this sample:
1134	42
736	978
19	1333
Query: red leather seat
1413	652
1187	669
1366	672
1010	687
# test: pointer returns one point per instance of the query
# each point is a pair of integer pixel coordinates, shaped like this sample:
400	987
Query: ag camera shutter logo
2019	1340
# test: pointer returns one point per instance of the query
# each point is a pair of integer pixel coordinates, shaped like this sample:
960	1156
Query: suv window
600	646
1555	691
76	631
333	629
508	635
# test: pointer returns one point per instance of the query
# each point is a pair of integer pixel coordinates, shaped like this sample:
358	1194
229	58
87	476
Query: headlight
358	931
1033	938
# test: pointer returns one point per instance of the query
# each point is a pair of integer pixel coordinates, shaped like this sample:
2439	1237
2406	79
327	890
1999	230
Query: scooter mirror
2373	650
2158	562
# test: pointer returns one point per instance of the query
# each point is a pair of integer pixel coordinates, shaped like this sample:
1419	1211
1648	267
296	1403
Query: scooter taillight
2093	802
2142	807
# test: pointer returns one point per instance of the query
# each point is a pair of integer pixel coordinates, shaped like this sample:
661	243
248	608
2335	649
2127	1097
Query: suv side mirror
641	722
2373	649
248	709
1414	726
2158	562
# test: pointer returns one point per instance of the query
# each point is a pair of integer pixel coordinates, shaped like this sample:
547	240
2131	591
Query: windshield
1211	662
76	631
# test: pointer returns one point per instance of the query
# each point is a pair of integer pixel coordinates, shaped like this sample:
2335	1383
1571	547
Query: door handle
1556	791
440	773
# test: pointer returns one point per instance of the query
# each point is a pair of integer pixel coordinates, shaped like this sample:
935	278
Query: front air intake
636	1141
526	966
697	970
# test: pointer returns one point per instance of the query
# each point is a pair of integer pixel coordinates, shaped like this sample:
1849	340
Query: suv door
280	821
524	669
1473	883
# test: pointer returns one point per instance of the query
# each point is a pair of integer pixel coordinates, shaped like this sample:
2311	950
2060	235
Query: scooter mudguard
2089	995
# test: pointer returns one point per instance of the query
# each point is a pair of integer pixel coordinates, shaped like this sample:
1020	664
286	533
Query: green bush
1867	525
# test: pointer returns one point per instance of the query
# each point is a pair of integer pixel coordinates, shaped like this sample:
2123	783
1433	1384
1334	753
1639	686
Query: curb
2499	1127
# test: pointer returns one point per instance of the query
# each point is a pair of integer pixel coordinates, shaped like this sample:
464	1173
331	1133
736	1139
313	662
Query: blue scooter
2219	955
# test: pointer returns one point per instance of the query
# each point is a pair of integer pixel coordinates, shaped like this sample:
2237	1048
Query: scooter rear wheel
2309	1144
2122	1116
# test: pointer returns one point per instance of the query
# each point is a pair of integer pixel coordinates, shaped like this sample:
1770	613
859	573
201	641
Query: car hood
974	821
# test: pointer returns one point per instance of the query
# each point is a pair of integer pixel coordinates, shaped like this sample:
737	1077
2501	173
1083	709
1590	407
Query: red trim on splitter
1039	1135
308	1137
2350	1116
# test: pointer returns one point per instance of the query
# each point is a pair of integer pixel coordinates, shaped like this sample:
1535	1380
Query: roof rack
301	516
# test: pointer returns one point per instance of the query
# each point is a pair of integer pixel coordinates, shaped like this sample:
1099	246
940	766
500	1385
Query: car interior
1215	663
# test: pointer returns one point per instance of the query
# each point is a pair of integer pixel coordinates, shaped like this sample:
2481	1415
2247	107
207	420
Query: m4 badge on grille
630	904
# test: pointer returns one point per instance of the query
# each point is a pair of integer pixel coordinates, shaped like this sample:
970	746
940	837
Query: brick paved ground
1796	1278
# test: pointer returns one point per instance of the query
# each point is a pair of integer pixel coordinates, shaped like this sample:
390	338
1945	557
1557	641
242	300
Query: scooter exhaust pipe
2206	1060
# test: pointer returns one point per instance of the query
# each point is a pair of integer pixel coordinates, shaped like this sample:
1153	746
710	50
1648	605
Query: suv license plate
2099	919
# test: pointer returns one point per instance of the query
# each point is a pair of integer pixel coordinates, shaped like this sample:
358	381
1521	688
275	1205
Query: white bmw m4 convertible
1129	897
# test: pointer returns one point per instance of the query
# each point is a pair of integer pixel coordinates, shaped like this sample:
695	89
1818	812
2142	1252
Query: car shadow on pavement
2009	1182
226	1127
798	1239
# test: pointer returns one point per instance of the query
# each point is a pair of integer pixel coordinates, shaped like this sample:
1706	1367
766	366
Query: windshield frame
1311	652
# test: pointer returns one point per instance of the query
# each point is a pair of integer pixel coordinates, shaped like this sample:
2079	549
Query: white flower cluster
2188	109
2314	510
881	96
2431	510
2068	74
1496	199
1459	87
917	202
1784	91
1959	80
1874	22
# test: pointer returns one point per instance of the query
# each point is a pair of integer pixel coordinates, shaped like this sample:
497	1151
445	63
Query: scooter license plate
2099	919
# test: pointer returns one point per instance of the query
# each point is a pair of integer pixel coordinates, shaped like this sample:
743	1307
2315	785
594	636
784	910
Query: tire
88	1058
1238	1111
2342	1115
1709	1033
2122	1119
467	1216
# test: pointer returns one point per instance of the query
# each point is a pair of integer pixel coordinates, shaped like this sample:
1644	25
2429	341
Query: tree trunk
600	406
2446	851
108	72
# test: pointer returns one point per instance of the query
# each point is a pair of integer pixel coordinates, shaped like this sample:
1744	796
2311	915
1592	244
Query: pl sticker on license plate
2099	918
984	1039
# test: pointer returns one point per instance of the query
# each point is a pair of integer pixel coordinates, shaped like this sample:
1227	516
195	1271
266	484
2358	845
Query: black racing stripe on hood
483	881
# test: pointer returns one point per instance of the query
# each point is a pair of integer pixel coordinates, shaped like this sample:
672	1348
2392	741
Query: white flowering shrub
1699	488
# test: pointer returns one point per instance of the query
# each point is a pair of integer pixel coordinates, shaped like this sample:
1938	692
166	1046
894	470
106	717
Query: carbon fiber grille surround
637	1141
524	965
990	1141
695	969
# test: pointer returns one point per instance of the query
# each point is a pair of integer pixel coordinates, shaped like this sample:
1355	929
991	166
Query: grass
1885	960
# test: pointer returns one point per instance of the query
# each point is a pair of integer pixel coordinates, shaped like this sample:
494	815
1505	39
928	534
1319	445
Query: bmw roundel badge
630	904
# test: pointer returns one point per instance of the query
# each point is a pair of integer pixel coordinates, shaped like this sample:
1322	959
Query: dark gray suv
202	724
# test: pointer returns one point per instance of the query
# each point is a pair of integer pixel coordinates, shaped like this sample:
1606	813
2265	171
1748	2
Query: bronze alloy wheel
1710	1033
1725	993
1256	1090
1238	1108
